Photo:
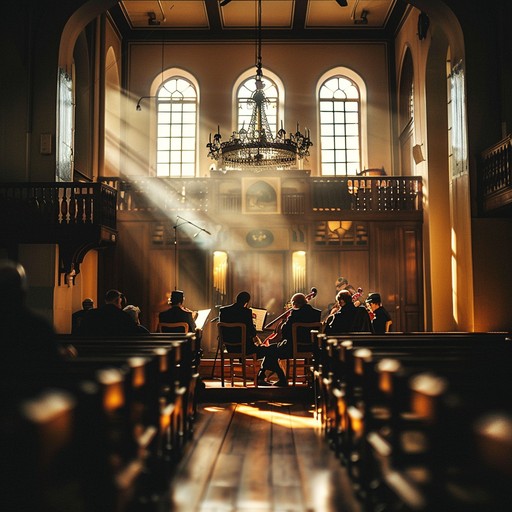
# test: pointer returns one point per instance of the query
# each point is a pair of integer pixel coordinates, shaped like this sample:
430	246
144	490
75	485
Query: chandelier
255	147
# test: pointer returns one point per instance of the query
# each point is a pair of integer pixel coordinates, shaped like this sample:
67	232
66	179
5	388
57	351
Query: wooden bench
371	401
128	413
179	380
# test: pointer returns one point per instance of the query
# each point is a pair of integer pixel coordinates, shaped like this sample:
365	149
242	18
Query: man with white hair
134	312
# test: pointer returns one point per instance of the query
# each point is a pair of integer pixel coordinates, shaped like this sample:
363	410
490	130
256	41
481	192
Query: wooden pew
178	380
357	431
71	445
130	414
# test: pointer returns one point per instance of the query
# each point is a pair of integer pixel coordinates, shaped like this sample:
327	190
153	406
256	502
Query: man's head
374	300
298	300
343	297
114	297
13	283
243	298
87	304
177	298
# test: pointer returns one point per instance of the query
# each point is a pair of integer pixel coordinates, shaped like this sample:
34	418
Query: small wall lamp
138	107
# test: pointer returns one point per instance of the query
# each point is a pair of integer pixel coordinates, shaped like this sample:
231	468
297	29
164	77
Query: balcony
295	193
495	179
76	216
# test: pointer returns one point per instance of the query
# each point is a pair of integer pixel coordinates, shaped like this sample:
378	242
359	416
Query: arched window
176	128
340	126
245	105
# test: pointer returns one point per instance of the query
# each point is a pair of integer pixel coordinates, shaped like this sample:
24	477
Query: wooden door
397	273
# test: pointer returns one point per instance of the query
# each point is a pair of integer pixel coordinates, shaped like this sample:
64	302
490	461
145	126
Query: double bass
277	334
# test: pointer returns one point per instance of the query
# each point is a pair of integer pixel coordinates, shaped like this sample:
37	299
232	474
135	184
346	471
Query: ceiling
281	19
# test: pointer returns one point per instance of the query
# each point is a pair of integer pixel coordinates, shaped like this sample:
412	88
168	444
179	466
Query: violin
277	335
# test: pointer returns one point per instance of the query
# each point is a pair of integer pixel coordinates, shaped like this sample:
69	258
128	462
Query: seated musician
350	317
301	312
177	313
381	322
239	312
340	284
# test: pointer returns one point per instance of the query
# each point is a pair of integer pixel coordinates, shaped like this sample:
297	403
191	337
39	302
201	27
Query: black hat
373	298
177	296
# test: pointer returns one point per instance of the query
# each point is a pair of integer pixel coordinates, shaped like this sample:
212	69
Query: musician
340	284
381	322
239	312
301	312
178	312
349	317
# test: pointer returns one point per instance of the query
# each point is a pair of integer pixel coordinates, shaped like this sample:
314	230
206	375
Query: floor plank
259	456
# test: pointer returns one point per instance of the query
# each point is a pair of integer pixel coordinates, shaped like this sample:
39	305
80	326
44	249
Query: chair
173	325
302	349
235	352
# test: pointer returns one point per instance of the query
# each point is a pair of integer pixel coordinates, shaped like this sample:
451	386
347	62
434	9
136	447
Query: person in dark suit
30	353
177	312
109	319
239	312
381	322
301	312
77	316
349	317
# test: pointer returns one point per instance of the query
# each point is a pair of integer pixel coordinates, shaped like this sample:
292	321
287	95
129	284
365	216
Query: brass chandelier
255	148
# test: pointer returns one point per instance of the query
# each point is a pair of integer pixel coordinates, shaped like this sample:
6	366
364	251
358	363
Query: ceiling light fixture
255	148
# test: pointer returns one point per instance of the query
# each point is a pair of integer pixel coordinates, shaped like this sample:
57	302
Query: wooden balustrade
495	177
315	195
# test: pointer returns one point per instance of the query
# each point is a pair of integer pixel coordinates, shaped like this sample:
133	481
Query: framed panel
261	195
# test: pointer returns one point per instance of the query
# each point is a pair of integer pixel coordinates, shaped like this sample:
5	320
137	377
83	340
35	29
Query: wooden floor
264	454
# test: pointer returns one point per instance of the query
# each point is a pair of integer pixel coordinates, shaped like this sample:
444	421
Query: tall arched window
245	105
340	126
176	128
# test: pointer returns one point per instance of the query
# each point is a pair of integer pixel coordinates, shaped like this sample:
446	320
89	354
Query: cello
277	334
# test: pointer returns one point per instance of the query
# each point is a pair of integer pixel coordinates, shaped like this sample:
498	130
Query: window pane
327	156
339	118
339	126
164	118
326	117
177	125
176	130
352	118
163	144
175	143
189	144
163	156
327	142
352	130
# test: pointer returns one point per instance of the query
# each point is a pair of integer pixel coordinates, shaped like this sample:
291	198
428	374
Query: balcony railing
73	215
495	178
57	205
316	195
